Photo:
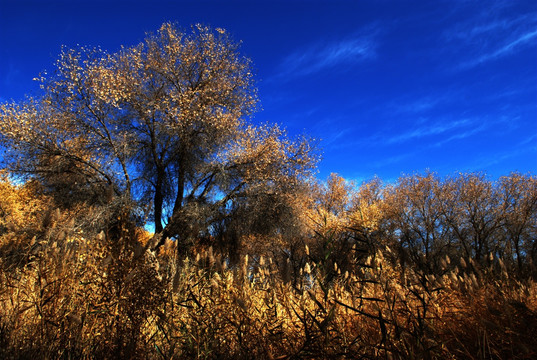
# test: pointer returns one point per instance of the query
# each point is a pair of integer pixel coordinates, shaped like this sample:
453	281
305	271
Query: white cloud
431	130
485	24
322	56
418	106
511	46
490	35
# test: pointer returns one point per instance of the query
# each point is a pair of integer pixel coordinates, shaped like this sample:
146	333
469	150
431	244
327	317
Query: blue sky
389	87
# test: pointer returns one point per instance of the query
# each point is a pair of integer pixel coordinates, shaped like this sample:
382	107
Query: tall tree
414	217
471	208
165	120
518	200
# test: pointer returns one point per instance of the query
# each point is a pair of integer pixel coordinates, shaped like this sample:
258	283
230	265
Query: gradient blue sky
389	87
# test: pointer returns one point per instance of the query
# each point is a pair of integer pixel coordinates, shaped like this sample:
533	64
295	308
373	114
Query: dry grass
98	298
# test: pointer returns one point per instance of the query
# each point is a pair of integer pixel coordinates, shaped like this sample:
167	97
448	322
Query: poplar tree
165	123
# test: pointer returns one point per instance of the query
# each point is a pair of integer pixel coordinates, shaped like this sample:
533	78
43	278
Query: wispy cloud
429	130
390	160
512	45
491	35
325	55
335	135
461	135
445	131
420	104
484	24
526	146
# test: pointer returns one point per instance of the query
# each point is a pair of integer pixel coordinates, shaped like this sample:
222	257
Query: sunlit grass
88	298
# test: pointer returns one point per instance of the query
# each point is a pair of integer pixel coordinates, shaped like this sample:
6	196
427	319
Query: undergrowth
106	298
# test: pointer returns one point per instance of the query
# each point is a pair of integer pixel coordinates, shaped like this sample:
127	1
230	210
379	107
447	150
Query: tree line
161	133
423	218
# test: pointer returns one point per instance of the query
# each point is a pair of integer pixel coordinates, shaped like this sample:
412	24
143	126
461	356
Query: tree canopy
164	123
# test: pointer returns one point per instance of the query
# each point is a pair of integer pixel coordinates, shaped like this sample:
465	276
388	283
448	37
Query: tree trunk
180	190
159	202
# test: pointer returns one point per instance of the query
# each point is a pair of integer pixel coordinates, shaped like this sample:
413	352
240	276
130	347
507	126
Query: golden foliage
168	116
21	206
